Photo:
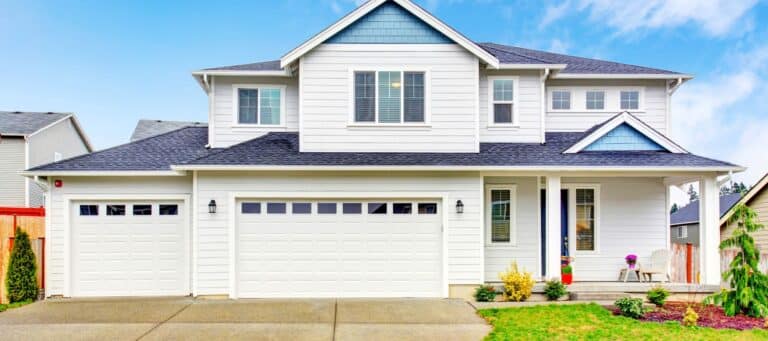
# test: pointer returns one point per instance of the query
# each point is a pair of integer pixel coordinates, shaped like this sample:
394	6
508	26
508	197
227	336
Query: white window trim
682	232
236	105
402	69
551	99
640	98
512	188
605	100
515	102
572	218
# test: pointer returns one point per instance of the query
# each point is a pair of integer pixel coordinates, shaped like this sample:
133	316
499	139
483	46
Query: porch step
597	296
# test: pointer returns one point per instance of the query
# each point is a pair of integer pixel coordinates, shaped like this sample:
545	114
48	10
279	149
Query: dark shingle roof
149	128
26	123
156	153
518	55
283	149
272	65
689	214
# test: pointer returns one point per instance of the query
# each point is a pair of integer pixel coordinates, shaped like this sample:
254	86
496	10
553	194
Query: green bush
630	307
485	293
21	281
554	289
658	296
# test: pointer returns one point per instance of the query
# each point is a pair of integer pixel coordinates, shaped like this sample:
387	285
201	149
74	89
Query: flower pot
567	279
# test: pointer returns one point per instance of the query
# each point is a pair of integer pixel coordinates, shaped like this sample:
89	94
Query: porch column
709	230
553	227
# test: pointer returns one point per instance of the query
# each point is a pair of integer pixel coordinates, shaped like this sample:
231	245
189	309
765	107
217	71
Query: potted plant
566	272
631	261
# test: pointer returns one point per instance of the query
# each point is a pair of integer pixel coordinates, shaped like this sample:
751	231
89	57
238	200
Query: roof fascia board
529	66
75	123
269	73
627	118
369	6
755	190
621	76
717	169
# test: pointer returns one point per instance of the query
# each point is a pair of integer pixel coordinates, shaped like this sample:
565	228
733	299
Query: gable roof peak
625	117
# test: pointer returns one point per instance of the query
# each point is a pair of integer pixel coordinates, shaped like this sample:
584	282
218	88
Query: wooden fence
31	220
685	268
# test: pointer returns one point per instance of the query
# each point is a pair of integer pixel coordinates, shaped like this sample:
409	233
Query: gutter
723	169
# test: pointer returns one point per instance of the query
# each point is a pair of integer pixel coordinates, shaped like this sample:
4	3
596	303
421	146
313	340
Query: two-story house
386	156
29	139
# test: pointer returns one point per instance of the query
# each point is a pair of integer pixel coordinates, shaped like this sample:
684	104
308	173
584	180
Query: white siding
528	106
97	186
61	138
452	85
654	106
463	231
11	162
222	119
526	251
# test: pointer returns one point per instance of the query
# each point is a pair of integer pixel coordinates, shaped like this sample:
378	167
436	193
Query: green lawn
4	307
593	322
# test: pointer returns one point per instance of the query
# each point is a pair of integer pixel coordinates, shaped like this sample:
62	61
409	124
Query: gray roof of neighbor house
149	128
25	123
272	65
689	214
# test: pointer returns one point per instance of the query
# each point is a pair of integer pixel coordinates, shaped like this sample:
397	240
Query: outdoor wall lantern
212	206
459	207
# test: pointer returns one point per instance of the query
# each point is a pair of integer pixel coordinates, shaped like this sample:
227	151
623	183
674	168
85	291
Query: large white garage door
339	248
136	248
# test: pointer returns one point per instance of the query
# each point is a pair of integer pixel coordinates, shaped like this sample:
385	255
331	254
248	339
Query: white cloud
715	17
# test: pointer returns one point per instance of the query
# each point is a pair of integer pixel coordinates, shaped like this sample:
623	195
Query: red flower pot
567	279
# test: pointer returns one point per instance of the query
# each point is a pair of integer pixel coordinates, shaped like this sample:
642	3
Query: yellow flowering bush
691	318
518	285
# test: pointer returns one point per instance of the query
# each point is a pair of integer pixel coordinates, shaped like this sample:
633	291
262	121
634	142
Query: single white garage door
339	248
136	248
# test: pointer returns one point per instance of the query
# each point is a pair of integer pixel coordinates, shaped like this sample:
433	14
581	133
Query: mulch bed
709	316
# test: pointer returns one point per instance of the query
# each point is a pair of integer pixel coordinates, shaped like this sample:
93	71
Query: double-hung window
630	100
389	97
259	105
503	104
595	100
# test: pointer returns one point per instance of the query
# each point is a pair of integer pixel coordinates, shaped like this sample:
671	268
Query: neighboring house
387	156
757	199
29	139
684	224
149	128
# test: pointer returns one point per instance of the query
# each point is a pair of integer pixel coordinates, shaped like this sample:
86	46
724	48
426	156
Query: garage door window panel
301	208
402	208
89	210
276	208
142	210
169	209
326	208
115	210
377	208
427	208
251	207
352	208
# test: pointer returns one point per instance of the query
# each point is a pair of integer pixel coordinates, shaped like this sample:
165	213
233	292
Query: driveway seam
164	321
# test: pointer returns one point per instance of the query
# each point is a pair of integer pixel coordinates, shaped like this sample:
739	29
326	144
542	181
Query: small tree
22	270
748	293
692	194
674	208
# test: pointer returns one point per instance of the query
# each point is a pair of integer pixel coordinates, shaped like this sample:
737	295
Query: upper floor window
561	100
389	97
502	101
595	100
259	105
630	100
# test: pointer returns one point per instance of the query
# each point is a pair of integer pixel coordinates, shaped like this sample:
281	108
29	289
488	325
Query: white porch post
553	226
709	230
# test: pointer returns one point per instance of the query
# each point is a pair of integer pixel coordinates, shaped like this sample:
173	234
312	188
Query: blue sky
113	63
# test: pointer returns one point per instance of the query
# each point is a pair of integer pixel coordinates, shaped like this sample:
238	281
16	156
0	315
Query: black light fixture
459	207
212	206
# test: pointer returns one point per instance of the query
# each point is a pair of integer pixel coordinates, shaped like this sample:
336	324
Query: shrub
21	280
485	293
554	289
518	286
630	307
658	296
690	318
748	293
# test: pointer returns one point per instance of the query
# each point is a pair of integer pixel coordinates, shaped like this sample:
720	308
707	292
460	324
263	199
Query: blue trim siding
624	138
389	24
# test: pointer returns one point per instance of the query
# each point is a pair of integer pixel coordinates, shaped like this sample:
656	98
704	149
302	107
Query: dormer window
389	97
259	105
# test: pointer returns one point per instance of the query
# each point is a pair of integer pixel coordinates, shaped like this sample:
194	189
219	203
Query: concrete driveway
267	319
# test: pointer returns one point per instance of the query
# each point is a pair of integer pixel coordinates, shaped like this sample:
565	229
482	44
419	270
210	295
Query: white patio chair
659	265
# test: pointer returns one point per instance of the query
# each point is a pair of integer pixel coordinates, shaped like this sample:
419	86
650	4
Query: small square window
630	100
169	209
142	209
115	210
377	208
595	100
427	208
352	208
326	208
301	208
89	210
250	207
402	208
276	208
561	100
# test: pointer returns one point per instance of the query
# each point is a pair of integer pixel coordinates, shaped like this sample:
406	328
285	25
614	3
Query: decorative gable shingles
624	137
389	24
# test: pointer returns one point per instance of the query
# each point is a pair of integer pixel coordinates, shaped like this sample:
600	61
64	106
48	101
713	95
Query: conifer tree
21	281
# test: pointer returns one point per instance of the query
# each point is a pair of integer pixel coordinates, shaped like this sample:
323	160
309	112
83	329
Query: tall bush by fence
33	222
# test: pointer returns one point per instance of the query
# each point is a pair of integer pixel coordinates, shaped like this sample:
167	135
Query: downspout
543	103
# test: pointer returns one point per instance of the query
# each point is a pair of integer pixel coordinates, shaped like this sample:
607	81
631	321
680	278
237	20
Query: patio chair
659	265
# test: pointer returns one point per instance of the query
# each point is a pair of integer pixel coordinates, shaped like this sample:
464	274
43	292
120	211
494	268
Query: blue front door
564	222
